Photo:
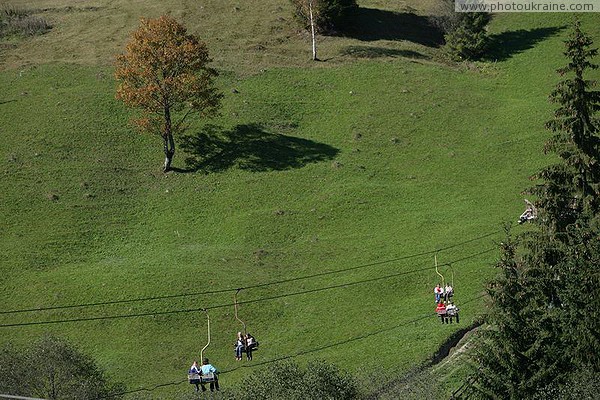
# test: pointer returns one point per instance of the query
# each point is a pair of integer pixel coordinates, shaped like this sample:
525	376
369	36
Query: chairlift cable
300	353
275	297
259	285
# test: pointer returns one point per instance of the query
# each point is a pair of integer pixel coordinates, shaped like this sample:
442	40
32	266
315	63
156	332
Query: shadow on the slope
250	147
506	44
371	24
377	52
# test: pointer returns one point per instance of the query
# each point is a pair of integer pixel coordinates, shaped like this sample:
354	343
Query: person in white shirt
448	292
452	311
529	214
250	346
194	375
438	291
240	344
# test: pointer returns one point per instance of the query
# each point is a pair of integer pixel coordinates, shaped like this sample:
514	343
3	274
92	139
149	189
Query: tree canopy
328	15
164	72
53	369
467	38
287	380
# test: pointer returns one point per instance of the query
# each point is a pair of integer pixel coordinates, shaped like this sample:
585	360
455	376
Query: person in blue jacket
206	369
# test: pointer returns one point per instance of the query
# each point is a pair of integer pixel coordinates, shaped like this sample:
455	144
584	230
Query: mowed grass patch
312	170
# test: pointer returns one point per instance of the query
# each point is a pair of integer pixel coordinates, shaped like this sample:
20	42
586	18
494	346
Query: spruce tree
468	38
573	186
569	202
515	356
543	323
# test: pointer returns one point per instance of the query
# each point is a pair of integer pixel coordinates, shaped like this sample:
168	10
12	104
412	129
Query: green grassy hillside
379	153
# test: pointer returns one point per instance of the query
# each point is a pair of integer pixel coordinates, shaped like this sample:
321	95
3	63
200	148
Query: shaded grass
250	147
504	45
376	52
372	24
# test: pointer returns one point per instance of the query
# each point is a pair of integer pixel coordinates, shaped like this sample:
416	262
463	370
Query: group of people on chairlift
445	292
244	344
201	375
445	308
207	373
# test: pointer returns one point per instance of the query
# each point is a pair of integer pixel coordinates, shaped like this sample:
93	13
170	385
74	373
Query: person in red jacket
441	311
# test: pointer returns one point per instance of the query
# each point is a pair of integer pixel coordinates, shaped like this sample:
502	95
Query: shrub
52	368
30	26
465	33
12	11
286	380
329	15
16	21
443	17
582	384
468	40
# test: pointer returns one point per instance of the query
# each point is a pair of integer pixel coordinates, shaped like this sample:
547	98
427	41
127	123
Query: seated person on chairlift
529	214
448	292
251	345
438	292
210	373
194	375
240	344
451	312
441	311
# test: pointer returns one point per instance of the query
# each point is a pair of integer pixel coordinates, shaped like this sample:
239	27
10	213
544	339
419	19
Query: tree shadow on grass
506	44
251	148
377	52
370	24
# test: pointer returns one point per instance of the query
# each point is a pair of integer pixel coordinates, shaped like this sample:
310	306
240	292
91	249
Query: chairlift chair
198	378
529	214
254	345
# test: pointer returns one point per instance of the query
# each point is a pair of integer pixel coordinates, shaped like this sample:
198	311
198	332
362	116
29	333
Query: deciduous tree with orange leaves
164	72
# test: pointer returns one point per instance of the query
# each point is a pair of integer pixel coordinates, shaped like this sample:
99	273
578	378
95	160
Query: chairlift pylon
199	378
437	270
235	307
208	329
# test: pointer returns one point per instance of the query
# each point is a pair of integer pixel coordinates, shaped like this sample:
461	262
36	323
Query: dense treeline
543	323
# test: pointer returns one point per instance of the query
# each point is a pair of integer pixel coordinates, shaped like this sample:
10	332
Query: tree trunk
312	31
169	143
169	152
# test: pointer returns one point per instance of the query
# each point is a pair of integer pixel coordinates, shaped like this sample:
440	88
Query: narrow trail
456	345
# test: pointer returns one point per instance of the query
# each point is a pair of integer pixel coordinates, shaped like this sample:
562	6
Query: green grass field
381	152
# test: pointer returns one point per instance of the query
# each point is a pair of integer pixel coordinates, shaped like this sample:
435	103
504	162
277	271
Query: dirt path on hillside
416	379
